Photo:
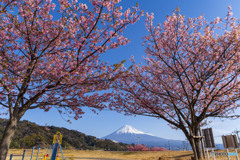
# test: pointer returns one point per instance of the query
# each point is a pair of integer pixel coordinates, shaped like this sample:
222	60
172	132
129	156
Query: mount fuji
128	134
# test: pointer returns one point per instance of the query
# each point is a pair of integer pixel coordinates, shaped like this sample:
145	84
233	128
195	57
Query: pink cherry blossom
189	74
50	56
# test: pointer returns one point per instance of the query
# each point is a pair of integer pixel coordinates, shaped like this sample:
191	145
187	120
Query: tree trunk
195	142
198	148
7	137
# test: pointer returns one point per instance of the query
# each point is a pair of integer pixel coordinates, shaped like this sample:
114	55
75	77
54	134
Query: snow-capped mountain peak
128	134
129	129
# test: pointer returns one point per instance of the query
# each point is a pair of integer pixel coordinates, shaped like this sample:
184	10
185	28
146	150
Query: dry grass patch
144	155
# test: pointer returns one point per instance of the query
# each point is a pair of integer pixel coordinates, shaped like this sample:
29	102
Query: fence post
228	154
23	154
37	153
236	153
32	153
11	156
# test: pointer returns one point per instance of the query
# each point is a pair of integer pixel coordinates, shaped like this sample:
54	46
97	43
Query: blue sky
107	122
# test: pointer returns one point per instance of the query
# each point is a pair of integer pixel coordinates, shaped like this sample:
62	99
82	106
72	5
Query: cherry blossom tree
50	56
158	149
140	147
190	73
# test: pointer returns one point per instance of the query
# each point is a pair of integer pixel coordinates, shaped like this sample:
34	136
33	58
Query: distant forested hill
30	134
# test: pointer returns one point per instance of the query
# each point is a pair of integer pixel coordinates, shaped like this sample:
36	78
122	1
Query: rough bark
7	137
198	148
194	142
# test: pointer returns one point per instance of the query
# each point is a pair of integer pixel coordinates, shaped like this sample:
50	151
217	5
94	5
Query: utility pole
169	145
236	131
187	144
138	139
183	145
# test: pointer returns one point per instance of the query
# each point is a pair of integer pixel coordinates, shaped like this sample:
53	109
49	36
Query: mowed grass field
116	155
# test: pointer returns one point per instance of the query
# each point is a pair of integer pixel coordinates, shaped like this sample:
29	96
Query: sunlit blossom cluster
50	53
140	147
190	73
